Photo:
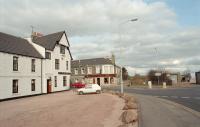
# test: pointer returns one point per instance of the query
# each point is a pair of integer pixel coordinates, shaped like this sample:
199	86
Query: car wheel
98	91
81	93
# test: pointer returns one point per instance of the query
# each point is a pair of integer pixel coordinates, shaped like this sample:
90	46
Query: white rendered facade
50	72
42	79
24	75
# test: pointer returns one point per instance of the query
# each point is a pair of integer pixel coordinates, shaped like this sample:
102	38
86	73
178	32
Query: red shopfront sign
101	75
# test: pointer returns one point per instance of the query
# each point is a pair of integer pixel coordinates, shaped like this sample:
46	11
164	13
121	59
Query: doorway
98	81
48	85
94	80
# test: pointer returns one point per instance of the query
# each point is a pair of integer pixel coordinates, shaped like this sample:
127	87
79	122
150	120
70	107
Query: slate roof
49	41
93	61
16	45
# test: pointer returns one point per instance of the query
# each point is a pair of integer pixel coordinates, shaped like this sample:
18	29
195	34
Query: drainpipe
41	76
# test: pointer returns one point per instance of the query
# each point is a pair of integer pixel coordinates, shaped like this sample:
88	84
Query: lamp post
121	78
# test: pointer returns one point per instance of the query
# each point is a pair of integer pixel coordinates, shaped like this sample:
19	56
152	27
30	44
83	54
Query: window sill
15	94
16	72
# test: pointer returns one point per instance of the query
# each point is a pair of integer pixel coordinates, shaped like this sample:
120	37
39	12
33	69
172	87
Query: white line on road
185	97
164	96
174	96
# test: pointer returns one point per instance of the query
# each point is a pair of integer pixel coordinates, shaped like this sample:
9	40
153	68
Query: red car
77	85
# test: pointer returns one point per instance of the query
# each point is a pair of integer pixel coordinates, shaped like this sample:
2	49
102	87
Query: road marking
174	96
185	97
164	96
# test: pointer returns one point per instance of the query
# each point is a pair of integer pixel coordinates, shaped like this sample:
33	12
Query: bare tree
124	73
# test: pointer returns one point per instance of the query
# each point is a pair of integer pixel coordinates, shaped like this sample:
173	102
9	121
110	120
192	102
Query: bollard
150	84
164	85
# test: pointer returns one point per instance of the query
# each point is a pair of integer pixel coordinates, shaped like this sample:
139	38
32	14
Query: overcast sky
166	35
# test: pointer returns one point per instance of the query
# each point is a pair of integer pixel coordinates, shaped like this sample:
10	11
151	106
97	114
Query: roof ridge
16	45
91	58
12	35
52	33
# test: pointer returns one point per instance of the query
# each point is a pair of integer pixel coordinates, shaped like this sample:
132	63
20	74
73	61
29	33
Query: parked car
90	88
77	85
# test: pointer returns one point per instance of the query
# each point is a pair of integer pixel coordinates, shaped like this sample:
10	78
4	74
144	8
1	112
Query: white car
90	88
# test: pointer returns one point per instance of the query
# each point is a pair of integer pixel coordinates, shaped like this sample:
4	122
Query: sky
166	34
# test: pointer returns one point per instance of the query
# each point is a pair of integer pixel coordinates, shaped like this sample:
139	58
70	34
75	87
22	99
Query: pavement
63	109
156	112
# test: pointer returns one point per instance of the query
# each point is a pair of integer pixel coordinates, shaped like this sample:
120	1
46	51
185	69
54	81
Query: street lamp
121	78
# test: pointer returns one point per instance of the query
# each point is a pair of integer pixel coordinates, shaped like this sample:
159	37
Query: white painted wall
64	41
24	75
51	72
39	48
45	69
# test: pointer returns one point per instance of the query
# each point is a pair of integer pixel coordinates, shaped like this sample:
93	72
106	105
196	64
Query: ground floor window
55	81
105	80
90	80
111	80
64	81
15	86
33	85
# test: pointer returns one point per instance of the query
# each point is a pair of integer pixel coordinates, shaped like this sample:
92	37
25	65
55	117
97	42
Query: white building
20	67
102	71
29	68
57	62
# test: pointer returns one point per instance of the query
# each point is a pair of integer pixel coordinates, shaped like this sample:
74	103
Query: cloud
94	31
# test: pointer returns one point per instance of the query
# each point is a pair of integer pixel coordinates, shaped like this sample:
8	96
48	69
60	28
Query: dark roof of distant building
93	61
16	45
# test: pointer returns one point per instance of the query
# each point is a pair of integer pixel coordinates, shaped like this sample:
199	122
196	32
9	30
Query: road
157	107
155	112
189	97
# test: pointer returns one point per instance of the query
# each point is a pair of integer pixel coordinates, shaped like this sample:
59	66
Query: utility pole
32	28
119	25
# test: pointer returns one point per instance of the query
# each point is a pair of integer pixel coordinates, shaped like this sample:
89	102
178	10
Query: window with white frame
62	49
33	85
47	55
82	70
111	70
64	80
106	69
32	65
15	86
55	81
56	64
15	63
89	70
76	71
97	69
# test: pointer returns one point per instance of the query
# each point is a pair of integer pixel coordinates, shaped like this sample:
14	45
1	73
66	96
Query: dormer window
62	49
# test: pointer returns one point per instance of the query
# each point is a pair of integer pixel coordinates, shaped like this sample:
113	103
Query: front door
48	85
93	80
98	81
